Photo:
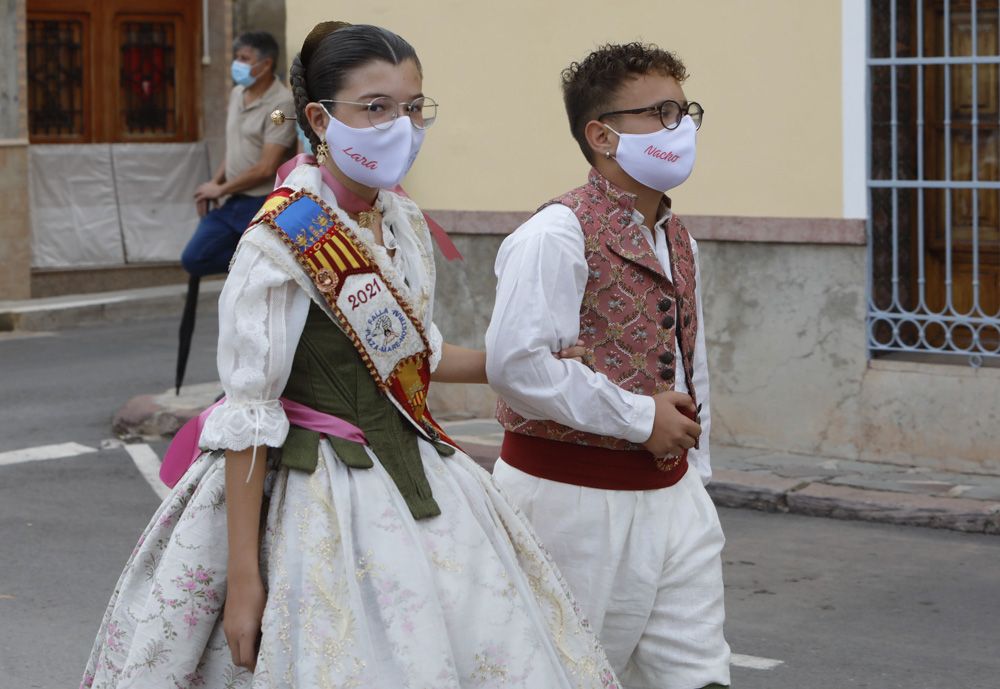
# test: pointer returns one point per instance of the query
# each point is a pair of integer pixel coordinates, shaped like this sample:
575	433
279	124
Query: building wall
773	202
786	339
263	15
215	79
214	86
789	372
767	73
15	246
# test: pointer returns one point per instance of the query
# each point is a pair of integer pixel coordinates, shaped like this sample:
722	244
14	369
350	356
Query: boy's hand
673	432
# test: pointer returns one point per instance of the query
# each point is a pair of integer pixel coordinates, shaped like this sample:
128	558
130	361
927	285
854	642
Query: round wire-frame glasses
670	111
383	111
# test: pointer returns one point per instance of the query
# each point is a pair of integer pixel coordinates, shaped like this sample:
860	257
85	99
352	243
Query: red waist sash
586	465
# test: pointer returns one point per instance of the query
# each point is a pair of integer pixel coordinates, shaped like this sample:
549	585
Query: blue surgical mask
241	73
306	145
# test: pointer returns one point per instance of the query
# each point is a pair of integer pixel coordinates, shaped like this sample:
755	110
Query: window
934	186
147	87
56	57
111	70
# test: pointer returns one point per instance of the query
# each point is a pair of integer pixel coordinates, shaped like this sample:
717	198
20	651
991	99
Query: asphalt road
840	604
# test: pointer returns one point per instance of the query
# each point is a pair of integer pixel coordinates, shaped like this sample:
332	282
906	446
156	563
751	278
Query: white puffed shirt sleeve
701	457
541	278
262	312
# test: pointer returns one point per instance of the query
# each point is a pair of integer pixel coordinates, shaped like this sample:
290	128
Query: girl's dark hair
590	85
330	52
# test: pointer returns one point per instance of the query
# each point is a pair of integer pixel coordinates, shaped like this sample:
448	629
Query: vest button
667	374
667	358
664	305
667	322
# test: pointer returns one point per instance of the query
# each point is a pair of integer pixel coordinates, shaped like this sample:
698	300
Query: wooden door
966	204
112	70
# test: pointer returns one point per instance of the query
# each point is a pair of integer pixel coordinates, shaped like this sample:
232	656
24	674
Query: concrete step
70	311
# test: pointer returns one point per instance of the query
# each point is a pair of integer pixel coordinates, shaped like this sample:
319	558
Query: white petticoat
359	593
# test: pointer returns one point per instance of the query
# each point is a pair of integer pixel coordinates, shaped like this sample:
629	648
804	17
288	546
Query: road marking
753	662
43	452
148	463
24	334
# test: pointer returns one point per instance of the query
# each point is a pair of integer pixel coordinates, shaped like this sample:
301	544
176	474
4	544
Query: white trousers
645	567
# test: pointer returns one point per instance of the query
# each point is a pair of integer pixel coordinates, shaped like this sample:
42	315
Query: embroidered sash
371	312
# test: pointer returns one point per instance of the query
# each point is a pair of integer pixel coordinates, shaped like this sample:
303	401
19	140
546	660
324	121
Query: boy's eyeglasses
383	111
670	111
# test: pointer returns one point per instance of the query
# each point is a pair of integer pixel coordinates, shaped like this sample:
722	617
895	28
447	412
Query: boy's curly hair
590	85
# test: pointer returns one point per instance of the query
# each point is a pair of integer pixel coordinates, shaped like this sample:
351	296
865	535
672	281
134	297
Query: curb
774	494
55	313
149	417
769	493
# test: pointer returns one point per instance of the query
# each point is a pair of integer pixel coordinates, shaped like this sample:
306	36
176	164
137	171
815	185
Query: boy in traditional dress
608	458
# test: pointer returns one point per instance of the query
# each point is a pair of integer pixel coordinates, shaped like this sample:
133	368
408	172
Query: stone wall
789	368
464	303
785	331
15	247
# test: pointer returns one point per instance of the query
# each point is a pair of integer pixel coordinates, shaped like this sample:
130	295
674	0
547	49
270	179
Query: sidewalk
817	486
743	477
54	313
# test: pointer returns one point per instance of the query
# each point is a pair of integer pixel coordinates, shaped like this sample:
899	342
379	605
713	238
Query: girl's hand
245	598
575	353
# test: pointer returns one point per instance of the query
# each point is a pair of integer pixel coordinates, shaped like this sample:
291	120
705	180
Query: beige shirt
249	127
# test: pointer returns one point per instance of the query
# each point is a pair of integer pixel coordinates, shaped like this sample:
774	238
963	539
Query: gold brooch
369	219
326	281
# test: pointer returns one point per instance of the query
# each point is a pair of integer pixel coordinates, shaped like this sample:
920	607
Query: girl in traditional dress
363	549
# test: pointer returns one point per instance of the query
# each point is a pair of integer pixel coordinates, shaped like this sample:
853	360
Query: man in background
254	150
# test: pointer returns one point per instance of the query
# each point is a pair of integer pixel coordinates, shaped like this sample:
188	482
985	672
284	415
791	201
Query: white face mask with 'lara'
377	158
660	160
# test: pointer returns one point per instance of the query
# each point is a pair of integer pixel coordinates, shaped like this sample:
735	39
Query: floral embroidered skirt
359	593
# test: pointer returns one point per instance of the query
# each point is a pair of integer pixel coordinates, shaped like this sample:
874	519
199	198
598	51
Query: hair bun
319	32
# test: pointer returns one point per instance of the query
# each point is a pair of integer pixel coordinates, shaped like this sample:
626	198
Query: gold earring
322	152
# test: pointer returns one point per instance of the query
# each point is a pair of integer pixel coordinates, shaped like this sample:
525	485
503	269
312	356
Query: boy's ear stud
607	154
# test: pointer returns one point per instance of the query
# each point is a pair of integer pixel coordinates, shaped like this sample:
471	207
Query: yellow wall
766	71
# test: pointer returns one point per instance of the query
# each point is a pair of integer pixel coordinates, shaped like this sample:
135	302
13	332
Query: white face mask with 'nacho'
660	160
377	158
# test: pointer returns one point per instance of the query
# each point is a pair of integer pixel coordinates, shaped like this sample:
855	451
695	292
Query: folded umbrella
186	330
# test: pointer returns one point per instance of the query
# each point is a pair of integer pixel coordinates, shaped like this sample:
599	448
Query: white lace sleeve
262	312
436	341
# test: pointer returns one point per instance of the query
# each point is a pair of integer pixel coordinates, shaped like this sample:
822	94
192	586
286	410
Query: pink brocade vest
631	314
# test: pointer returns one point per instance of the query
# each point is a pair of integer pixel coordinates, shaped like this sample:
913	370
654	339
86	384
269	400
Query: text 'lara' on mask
377	158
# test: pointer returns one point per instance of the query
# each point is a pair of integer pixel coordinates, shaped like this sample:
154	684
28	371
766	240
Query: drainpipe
206	56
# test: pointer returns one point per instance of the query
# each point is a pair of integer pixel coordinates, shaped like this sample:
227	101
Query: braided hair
330	52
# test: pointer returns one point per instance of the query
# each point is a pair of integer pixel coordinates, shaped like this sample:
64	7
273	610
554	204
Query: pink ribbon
352	203
184	448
